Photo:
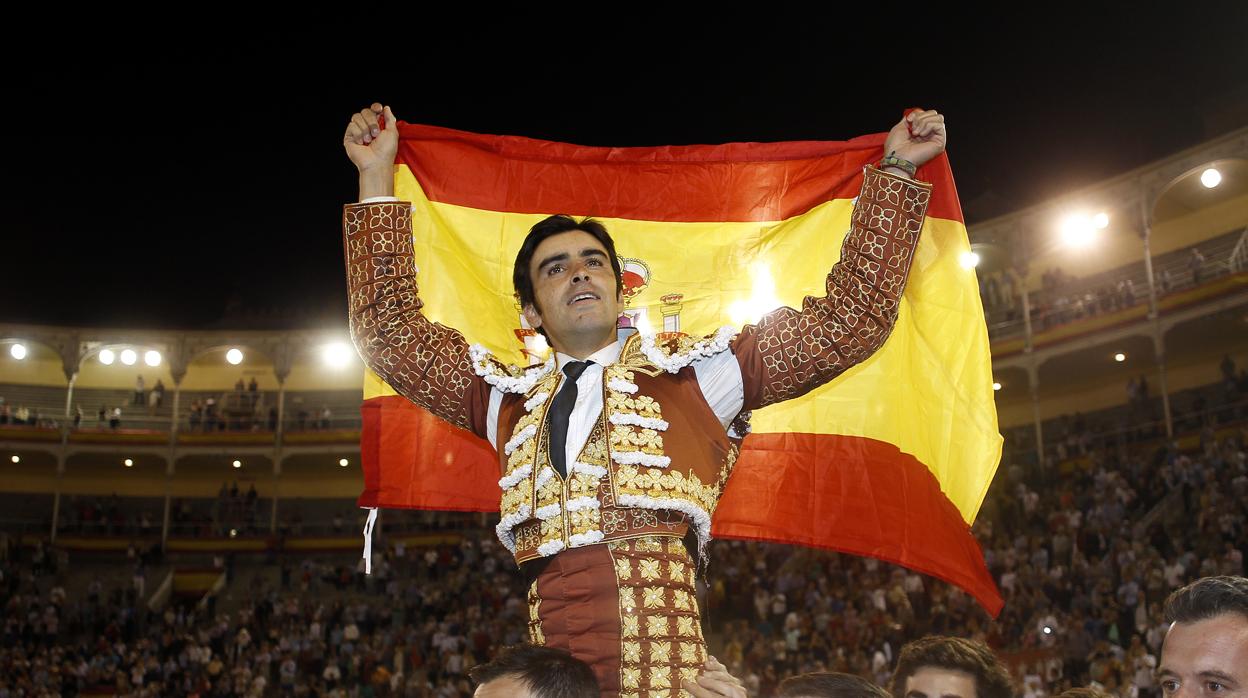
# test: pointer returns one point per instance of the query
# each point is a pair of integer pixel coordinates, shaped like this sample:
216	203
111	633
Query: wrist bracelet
891	160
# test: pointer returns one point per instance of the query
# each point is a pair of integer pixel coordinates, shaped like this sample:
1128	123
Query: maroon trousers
628	608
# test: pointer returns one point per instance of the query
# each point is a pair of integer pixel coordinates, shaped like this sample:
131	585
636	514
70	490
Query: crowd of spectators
1083	554
1064	298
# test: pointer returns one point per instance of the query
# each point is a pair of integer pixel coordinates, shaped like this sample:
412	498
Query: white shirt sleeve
719	377
491	417
378	199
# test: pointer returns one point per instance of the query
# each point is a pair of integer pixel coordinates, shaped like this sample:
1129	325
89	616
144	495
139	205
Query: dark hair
548	672
829	684
548	227
1084	692
1208	597
991	678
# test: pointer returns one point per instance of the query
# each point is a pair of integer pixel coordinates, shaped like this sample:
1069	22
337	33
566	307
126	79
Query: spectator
114	419
1207	644
1196	265
139	391
527	671
950	666
829	685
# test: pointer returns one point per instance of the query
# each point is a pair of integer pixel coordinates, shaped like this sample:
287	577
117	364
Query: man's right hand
372	148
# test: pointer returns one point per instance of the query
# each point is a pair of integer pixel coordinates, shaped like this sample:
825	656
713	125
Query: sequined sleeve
424	361
789	353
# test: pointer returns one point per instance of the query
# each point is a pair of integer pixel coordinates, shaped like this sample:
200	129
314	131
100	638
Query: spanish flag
890	460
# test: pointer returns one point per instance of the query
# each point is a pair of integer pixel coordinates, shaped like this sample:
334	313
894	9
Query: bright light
1101	220
1078	231
18	351
107	357
761	301
342	462
1048	630
128	462
996	385
238	464
1210	178
1120	357
539	345
233	533
968	260
234	356
152	358
16	459
337	354
128	357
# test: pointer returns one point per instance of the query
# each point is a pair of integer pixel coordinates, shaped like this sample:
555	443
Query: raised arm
789	352
424	361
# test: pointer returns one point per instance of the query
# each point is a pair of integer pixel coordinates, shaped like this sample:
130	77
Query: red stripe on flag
687	183
413	460
887	506
890	507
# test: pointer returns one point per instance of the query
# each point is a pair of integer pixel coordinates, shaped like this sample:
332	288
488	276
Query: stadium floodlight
107	357
16	459
128	462
996	386
128	357
968	260
342	462
1211	178
18	351
152	358
234	356
237	464
1101	220
337	354
1078	231
1120	357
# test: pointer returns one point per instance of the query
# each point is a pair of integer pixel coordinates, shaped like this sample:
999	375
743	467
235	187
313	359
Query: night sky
200	186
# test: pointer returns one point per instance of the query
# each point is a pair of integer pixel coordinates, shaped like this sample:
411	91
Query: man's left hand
715	682
918	137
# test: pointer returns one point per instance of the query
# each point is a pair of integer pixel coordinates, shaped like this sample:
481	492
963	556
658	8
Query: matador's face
578	302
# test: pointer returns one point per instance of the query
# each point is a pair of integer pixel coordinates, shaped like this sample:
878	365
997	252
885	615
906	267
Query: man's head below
568	280
1205	652
949	667
829	684
528	671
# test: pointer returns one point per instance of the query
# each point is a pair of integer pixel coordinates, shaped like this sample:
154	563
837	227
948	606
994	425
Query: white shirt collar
603	357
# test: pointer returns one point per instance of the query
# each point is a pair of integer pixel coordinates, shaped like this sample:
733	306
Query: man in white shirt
633	409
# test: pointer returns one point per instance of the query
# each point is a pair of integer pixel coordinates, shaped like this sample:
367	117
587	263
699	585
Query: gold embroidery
632	652
660	676
535	620
656	626
688	653
684	626
632	626
649	569
652	597
680	599
650	544
623	570
630	677
628	599
690	674
660	652
676	569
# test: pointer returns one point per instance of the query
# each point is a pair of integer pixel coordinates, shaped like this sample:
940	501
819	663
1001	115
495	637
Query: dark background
196	185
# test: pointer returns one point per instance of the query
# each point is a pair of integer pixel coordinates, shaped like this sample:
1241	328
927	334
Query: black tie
560	411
